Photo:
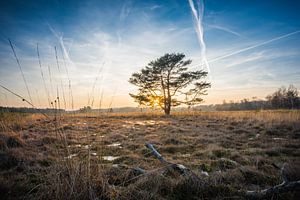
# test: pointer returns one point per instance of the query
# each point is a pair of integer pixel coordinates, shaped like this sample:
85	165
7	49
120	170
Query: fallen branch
176	167
287	185
156	153
281	188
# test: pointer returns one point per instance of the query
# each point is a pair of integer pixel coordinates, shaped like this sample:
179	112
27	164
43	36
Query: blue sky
104	42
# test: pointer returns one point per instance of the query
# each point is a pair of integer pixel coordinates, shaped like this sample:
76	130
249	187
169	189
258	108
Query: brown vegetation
101	157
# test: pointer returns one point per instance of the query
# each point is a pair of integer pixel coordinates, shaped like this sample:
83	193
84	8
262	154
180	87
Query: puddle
256	136
115	145
87	146
277	138
110	158
128	126
75	145
84	123
71	156
186	155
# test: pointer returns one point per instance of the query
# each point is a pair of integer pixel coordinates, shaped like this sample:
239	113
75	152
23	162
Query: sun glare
156	101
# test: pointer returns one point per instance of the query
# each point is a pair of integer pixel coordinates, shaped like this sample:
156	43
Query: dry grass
291	117
44	163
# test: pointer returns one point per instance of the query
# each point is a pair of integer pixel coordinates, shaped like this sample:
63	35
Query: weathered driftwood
281	188
155	153
289	184
176	167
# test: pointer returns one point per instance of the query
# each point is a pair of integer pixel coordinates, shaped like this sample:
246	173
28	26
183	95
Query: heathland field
88	156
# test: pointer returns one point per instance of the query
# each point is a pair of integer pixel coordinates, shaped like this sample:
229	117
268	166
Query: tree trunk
167	110
167	107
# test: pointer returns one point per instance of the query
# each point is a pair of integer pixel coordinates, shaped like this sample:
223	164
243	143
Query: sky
252	47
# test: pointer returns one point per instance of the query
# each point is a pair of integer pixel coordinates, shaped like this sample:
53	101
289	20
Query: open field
101	157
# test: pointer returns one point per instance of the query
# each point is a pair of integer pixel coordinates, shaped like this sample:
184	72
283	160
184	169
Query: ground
90	156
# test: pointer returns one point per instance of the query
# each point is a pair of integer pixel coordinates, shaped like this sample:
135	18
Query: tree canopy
166	82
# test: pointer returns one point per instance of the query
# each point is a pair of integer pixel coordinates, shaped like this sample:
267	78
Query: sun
156	101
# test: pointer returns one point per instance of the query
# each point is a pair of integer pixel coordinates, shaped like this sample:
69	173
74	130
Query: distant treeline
283	98
81	110
29	110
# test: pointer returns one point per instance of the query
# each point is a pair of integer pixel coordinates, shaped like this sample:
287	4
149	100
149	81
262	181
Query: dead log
289	184
156	153
281	188
176	167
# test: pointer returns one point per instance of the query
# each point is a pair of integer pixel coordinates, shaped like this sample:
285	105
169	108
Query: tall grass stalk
111	101
94	85
23	99
21	70
100	101
61	83
38	98
71	99
42	74
51	84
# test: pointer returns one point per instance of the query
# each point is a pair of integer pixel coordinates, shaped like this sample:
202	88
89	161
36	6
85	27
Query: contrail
224	29
198	17
253	46
125	11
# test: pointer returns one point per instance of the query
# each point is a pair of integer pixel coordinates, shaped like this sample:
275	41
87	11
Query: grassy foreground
99	157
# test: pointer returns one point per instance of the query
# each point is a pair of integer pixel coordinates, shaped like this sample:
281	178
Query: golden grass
267	116
44	168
